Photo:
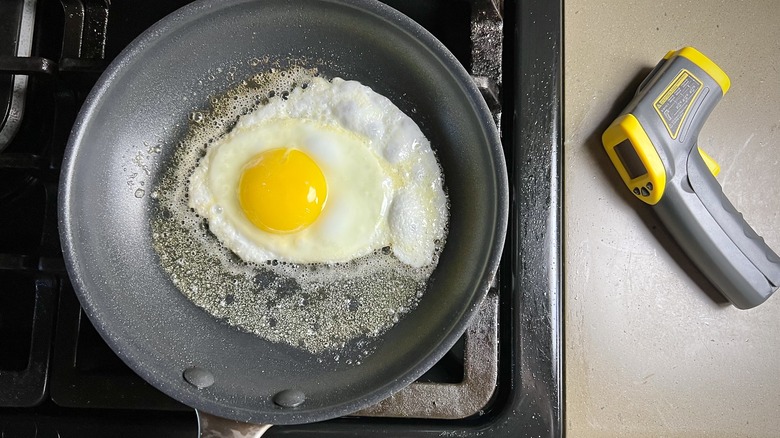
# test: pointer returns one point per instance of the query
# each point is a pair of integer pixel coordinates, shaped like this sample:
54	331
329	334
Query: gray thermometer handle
716	236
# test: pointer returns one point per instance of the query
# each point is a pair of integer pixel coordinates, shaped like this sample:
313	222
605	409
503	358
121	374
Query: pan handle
211	426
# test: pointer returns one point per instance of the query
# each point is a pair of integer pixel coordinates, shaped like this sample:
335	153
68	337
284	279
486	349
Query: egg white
384	184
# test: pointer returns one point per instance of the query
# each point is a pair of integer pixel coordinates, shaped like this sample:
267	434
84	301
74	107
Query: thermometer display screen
630	159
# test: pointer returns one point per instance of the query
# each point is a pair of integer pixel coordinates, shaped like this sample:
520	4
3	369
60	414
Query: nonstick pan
145	97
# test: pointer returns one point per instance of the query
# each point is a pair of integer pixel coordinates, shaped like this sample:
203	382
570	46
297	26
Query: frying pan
145	97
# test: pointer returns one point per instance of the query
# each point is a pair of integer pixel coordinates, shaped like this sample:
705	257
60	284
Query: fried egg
325	174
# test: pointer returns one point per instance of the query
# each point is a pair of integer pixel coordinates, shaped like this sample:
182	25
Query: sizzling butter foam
308	304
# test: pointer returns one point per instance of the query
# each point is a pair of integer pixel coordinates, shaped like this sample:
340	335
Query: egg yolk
282	190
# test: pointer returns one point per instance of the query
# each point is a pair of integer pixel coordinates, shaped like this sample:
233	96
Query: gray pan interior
147	94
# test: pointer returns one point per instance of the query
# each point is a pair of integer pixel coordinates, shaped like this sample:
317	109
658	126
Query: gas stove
58	378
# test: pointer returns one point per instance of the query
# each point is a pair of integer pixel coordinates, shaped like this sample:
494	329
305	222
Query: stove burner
57	374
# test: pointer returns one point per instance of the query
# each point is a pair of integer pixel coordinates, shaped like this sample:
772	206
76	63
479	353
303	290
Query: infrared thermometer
653	146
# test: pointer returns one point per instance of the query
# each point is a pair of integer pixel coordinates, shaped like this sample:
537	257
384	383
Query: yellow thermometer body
653	146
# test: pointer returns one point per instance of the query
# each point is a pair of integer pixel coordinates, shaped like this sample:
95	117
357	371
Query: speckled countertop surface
651	350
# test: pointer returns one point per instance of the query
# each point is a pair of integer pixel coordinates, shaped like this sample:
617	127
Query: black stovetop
58	378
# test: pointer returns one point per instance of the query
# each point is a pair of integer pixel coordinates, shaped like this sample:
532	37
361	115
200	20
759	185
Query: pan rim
169	24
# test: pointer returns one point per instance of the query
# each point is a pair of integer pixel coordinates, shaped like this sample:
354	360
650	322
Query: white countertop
650	347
